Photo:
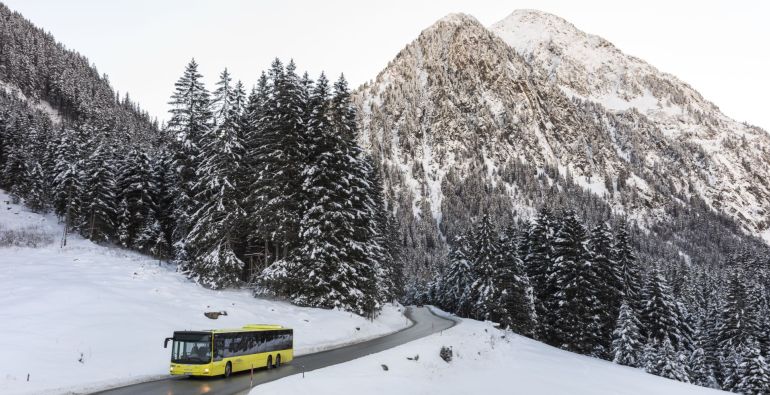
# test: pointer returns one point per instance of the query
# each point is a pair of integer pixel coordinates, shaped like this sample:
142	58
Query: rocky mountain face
732	176
469	120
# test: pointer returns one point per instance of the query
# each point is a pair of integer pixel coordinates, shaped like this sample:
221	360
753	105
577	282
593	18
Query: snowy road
425	323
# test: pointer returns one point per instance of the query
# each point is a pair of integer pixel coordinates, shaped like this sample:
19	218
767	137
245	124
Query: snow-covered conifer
627	342
658	316
668	363
573	311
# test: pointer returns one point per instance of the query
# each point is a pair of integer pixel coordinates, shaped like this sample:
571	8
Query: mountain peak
528	30
532	16
458	18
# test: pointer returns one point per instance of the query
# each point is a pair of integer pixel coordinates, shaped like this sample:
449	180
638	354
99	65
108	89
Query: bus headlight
206	370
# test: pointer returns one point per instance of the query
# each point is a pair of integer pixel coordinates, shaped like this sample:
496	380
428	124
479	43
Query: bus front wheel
228	369
278	361
269	362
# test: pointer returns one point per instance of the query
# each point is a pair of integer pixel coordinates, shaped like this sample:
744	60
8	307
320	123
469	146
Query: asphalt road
425	323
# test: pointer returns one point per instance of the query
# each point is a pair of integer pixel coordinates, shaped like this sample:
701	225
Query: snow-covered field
86	316
486	361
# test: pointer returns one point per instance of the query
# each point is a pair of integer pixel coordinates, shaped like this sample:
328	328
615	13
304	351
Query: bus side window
240	344
228	346
219	347
280	341
251	347
286	340
272	337
259	338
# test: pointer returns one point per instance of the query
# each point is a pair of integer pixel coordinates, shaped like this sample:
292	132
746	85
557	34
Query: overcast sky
719	47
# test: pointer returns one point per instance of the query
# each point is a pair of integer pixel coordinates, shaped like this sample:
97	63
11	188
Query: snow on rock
87	316
485	360
40	105
766	236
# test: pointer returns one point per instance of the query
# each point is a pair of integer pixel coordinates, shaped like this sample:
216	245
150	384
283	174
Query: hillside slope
485	360
87	316
46	73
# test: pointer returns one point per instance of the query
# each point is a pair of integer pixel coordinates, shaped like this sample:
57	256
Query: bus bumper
179	369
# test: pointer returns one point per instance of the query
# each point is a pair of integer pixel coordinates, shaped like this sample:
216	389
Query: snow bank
87	316
485	360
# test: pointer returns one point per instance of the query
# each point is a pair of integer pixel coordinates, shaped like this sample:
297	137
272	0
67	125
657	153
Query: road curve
425	323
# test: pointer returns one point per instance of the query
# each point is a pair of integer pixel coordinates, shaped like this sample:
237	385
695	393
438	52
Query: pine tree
13	167
67	183
573	316
609	286
123	222
730	369
190	119
136	187
164	179
649	356
484	290
514	307
458	278
255	143
391	278
279	161
686	330
668	363
699	371
537	254
218	223
148	234
99	211
12	176
222	99
37	198
658	316
628	268
627	341
738	322
365	200
753	372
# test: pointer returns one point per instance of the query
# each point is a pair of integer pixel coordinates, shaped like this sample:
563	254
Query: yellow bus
225	351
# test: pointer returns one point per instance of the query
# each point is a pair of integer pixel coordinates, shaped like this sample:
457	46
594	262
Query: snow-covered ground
486	361
87	316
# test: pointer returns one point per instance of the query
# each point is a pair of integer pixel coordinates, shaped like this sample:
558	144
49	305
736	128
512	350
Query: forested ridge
262	187
587	291
236	184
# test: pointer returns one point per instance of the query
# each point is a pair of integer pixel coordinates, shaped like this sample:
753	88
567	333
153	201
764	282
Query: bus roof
245	328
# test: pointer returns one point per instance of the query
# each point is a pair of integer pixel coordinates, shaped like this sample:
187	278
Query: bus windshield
191	348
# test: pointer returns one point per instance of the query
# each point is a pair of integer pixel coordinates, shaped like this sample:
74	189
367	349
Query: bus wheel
269	362
278	361
228	369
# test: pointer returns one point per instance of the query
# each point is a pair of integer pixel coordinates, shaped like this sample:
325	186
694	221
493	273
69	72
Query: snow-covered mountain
468	119
733	174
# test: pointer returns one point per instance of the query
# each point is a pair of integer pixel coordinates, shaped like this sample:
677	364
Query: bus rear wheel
269	362
228	369
278	361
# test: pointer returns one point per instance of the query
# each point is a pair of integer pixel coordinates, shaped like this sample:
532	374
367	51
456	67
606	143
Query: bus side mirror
165	343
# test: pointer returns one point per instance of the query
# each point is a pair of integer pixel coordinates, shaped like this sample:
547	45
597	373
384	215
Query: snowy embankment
485	360
85	316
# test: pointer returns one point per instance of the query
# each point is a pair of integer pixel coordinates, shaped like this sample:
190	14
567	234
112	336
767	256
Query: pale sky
719	47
